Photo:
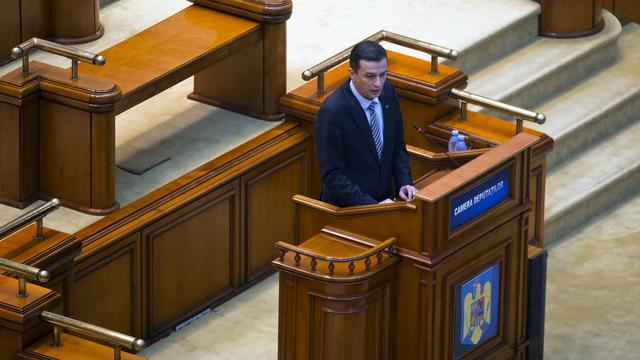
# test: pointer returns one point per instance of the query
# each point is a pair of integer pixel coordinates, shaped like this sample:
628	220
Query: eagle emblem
477	313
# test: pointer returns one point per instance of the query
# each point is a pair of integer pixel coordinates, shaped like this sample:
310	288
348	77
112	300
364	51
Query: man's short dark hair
366	50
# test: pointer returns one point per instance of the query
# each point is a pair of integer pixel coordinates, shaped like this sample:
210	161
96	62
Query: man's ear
352	73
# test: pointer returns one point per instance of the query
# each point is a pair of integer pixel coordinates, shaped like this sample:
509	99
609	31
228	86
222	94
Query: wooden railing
520	114
116	339
36	215
376	251
24	272
23	50
434	50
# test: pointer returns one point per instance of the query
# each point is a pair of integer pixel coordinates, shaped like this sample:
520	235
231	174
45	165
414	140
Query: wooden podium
442	277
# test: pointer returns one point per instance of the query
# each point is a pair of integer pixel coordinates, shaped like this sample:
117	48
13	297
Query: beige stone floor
592	287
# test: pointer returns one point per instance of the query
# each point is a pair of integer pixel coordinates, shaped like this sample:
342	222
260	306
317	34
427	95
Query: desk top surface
167	46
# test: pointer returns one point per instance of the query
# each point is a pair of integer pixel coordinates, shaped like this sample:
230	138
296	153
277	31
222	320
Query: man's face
369	79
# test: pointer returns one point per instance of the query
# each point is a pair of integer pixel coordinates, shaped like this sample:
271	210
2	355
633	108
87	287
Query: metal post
434	64
39	231
519	125
463	110
25	63
57	333
117	352
320	89
22	287
74	69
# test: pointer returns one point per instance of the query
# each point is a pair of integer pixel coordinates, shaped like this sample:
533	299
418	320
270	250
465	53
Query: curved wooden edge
430	156
268	11
352	210
369	253
572	35
56	81
80	40
476	168
81	208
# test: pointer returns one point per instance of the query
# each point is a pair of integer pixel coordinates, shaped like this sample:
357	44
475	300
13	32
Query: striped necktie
375	129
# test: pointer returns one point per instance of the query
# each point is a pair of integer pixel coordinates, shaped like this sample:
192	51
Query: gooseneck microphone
440	148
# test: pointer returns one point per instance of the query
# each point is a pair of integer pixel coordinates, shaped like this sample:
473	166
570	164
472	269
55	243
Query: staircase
589	88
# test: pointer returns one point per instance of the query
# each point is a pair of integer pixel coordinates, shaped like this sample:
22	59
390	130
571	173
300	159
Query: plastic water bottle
453	139
460	144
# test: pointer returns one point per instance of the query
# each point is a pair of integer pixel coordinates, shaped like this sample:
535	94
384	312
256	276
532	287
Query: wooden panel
191	259
269	212
625	10
275	63
537	190
10	343
35	16
10	32
324	318
103	160
110	281
350	328
65	140
510	252
19	152
236	83
74	19
9	152
29	149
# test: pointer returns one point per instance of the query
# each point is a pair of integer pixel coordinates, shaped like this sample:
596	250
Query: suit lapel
361	120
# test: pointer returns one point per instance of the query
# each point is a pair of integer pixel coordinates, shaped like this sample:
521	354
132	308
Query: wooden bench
58	134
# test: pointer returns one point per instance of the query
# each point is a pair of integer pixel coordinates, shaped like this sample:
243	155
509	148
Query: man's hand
386	201
407	192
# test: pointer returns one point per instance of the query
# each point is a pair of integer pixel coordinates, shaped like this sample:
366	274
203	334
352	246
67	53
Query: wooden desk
58	135
412	304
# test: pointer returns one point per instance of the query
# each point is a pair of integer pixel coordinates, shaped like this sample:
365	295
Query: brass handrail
24	220
72	53
116	339
520	114
434	50
26	271
376	251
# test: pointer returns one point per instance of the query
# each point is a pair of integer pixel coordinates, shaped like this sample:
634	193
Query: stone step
546	67
597	106
592	182
459	25
602	254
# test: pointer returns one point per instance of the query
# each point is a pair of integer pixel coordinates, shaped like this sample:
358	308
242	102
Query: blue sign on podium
476	201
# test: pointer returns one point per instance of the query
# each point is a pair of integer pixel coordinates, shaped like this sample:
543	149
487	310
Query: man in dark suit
359	136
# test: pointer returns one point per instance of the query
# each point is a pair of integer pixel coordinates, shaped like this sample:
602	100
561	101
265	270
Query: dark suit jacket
351	172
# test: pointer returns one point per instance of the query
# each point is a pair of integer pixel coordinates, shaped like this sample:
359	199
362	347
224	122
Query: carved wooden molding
268	11
86	93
